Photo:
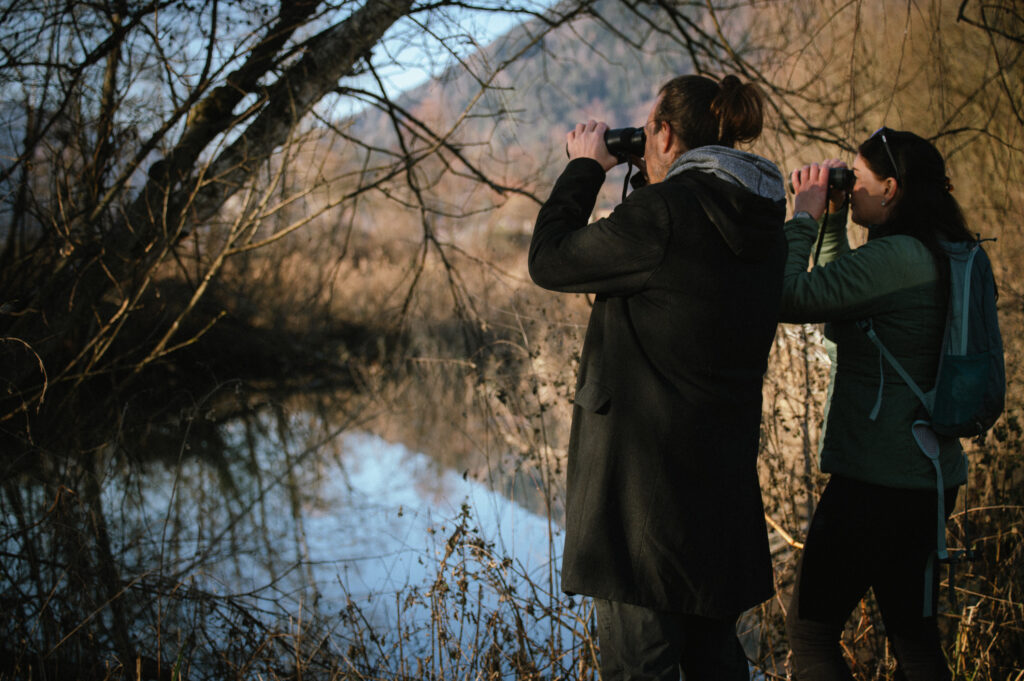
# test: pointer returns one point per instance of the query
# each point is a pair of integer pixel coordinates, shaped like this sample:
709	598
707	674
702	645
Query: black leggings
862	536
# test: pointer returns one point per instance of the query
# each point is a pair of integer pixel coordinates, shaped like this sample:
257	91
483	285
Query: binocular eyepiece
623	142
838	178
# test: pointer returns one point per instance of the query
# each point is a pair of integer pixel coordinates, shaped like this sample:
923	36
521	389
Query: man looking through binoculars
664	522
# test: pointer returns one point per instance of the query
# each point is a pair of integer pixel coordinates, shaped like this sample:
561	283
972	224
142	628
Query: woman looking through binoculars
875	524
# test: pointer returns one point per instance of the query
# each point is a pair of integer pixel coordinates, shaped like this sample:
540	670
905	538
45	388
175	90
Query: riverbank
473	366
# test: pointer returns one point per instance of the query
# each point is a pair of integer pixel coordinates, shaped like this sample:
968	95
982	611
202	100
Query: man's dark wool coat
663	505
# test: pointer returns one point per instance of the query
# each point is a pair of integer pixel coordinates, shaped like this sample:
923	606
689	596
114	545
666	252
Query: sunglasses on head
885	143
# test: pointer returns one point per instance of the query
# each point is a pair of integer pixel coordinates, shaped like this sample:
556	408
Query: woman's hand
587	141
810	188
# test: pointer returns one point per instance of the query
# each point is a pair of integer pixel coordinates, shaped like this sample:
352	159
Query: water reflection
353	518
394	510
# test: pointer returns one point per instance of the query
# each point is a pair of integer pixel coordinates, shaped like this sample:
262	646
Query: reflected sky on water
398	510
362	520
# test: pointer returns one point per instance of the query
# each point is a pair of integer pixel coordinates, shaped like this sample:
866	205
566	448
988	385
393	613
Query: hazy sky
418	56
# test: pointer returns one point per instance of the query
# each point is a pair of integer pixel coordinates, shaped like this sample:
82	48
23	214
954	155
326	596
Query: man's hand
587	141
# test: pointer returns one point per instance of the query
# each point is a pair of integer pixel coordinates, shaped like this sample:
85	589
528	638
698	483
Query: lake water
377	557
383	522
361	529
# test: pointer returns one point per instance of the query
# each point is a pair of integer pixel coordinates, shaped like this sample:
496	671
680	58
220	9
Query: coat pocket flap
593	397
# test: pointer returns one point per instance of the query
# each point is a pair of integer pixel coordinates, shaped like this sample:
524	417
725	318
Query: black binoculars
623	142
838	178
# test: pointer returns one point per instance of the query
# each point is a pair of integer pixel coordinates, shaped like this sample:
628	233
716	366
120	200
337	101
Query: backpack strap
927	399
965	302
928	443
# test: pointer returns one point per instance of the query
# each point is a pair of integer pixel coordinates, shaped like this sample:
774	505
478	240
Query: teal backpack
970	384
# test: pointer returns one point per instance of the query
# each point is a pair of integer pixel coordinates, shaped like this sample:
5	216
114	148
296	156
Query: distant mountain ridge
579	71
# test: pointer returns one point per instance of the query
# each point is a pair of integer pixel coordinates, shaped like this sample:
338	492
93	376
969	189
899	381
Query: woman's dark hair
925	209
701	111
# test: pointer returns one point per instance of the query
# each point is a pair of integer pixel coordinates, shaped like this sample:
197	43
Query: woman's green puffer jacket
894	282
